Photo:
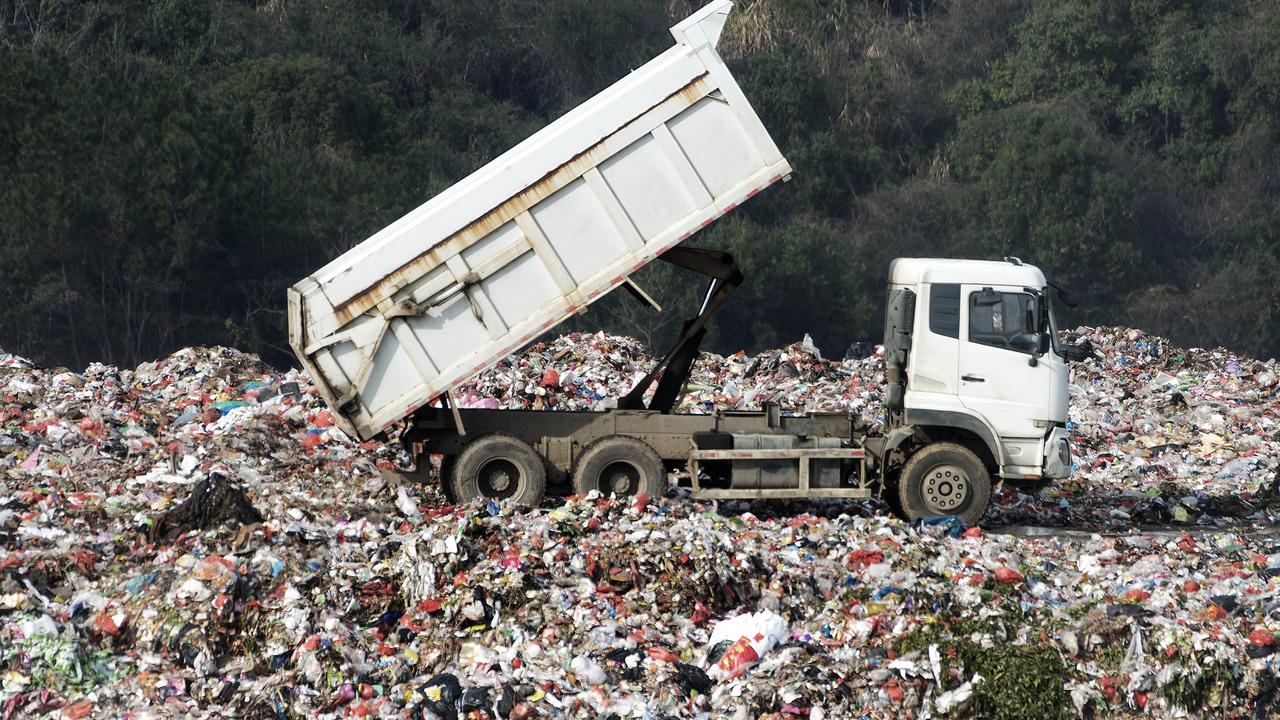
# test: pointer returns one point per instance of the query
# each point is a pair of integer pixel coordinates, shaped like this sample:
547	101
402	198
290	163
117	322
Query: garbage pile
584	371
195	538
1164	436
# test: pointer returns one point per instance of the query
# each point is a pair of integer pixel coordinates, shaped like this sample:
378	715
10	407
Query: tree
171	167
1046	186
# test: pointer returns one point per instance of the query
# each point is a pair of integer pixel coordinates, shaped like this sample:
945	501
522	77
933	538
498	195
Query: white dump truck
977	383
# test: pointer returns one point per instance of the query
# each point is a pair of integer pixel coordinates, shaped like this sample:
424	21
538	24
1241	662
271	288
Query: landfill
196	538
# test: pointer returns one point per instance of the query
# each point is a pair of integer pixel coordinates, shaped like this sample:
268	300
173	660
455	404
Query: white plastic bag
753	635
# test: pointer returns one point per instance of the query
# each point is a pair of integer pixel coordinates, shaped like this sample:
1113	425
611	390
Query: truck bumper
1057	454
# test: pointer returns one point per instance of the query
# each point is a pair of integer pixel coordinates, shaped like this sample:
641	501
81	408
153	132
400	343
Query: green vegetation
1201	690
1019	681
171	166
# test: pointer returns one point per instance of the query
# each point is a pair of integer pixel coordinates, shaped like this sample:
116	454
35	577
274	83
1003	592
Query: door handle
972	378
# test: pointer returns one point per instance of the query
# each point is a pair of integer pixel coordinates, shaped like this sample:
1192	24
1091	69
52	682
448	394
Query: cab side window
944	310
1000	320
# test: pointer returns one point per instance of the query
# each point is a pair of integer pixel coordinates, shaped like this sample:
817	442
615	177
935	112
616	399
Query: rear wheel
498	467
620	465
446	478
944	479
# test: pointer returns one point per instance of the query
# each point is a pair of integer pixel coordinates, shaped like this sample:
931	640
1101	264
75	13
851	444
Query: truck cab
973	361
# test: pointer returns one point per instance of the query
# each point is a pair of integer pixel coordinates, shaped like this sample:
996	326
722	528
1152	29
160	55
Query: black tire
498	467
446	478
892	501
620	465
944	479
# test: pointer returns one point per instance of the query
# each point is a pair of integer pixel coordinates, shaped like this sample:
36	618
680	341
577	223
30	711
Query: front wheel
944	479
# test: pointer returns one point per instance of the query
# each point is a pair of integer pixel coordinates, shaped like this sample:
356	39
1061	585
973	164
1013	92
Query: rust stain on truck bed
540	190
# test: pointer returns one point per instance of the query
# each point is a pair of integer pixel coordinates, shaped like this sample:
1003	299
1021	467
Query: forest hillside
170	167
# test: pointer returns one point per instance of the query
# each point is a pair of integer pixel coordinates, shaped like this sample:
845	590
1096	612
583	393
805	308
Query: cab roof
910	271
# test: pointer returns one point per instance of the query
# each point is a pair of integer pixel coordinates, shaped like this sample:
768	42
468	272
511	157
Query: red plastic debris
663	654
861	558
701	613
1008	576
738	657
1262	637
895	692
107	624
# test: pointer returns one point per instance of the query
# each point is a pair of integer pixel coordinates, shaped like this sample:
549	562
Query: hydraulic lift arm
675	367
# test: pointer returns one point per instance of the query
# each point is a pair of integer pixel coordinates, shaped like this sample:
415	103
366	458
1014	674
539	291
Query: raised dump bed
535	235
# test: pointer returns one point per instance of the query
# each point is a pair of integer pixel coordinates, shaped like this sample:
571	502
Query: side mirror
1037	328
1038	320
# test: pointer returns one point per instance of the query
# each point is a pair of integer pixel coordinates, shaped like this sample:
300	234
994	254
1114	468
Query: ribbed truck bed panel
534	236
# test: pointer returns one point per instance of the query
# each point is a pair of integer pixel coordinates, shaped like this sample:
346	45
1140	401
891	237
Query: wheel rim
499	478
945	489
620	478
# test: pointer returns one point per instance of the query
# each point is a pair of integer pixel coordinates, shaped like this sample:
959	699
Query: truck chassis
833	466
